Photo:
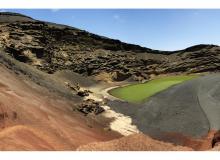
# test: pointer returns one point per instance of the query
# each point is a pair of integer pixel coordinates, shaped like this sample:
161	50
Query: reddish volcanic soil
198	144
141	142
31	118
133	142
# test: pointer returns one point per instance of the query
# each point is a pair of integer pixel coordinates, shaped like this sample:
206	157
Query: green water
138	93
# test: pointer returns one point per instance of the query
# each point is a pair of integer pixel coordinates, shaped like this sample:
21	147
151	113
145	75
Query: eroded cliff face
51	47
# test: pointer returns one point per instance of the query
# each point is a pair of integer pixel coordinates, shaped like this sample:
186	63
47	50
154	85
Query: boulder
216	139
90	106
83	93
120	76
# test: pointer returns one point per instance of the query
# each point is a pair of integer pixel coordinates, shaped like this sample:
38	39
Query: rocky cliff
51	47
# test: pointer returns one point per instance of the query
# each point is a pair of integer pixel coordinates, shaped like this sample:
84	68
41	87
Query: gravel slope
34	118
191	108
135	142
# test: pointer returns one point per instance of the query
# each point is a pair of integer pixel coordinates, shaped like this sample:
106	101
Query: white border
110	155
109	4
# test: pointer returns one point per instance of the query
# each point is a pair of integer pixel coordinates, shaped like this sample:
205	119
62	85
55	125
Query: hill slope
51	47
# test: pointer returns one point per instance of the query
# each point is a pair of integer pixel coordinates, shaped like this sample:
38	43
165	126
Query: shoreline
120	123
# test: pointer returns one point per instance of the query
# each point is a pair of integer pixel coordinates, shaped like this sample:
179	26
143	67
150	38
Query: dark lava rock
83	93
90	106
51	47
216	139
120	76
76	88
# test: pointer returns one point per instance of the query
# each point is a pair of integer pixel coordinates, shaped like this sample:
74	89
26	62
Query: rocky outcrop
216	139
76	88
120	76
51	47
90	106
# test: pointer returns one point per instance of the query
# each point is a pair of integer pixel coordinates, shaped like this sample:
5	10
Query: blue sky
167	29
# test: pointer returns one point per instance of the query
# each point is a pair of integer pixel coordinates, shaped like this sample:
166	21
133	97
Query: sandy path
120	122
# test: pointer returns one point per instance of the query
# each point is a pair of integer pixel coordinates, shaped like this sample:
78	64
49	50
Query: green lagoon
138	93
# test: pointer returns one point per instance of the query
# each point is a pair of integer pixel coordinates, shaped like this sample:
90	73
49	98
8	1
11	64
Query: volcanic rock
216	139
120	76
90	106
52	47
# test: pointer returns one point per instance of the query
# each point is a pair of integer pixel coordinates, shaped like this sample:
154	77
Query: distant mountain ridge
51	47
